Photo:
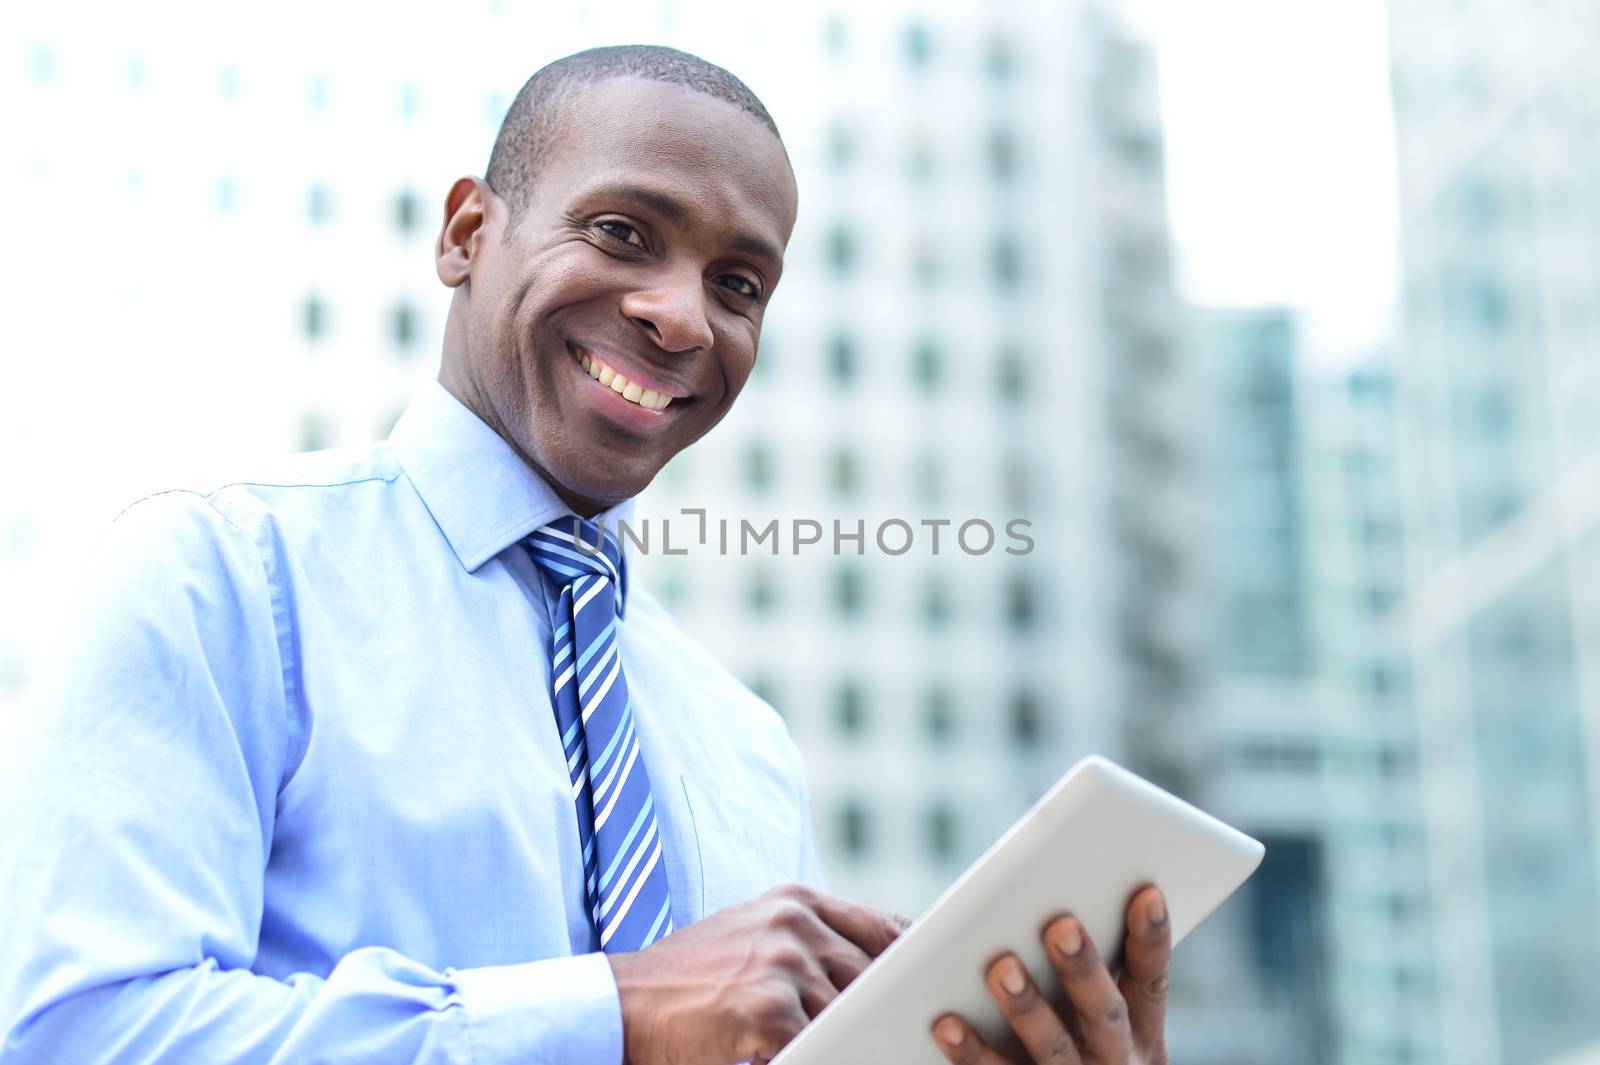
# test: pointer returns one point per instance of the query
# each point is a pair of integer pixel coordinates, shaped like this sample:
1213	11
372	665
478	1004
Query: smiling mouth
635	393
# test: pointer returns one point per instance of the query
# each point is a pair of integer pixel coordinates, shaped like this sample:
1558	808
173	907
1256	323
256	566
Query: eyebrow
674	211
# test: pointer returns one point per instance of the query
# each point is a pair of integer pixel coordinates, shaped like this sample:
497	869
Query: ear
466	214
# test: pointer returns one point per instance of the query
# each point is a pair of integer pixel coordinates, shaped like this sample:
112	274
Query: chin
611	491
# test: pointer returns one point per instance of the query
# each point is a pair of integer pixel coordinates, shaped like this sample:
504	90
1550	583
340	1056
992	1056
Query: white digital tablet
1086	847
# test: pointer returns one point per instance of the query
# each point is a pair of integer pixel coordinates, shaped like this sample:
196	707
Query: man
380	757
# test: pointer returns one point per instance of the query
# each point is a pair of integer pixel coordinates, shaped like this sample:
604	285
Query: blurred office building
1306	709
1497	110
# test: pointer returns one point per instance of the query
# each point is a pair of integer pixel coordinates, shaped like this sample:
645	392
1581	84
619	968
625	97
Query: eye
750	289
609	225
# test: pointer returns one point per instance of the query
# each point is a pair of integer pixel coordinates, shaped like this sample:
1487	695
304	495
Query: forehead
719	162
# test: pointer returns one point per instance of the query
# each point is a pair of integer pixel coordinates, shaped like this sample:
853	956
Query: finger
869	928
774	1019
1038	1025
842	960
816	989
1148	967
1102	1014
960	1044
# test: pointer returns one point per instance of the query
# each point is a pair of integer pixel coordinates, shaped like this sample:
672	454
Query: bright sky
1281	159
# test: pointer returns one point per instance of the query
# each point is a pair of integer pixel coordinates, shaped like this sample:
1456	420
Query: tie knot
572	547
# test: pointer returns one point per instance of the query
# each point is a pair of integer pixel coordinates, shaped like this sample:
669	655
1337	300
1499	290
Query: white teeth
646	397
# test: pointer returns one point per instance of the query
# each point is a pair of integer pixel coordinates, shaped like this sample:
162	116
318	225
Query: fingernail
1070	941
950	1032
1011	977
1157	911
902	922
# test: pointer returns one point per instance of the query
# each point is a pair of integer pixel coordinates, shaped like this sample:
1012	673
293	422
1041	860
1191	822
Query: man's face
652	242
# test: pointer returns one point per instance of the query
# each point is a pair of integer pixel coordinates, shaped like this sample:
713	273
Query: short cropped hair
536	116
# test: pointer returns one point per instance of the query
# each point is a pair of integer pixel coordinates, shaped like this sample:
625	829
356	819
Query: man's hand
1111	1022
738	985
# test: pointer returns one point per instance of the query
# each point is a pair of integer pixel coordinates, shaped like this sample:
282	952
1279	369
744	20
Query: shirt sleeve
136	820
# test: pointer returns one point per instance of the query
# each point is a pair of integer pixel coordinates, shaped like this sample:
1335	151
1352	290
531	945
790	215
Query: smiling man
381	757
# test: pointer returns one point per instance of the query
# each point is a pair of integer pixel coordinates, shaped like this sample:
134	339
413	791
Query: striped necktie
626	880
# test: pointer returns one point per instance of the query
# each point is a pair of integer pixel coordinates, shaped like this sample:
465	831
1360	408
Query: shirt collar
481	493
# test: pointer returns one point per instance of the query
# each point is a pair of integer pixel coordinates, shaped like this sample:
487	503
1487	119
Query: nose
672	311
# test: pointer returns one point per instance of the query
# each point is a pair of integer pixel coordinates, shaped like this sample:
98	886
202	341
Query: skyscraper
1497	108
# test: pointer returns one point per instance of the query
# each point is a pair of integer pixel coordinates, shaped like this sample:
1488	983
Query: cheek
740	363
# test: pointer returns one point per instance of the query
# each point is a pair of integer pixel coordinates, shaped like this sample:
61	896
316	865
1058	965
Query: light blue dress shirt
292	790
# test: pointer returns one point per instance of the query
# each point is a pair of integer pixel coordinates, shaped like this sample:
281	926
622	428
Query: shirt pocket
744	851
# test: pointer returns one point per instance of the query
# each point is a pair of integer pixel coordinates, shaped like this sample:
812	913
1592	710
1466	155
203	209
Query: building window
1000	57
673	589
1002	152
841	249
42	64
1006	261
1025	718
403	326
313	318
761	593
228	83
835	35
849	591
925	266
315	432
1380	600
319	204
940	831
758	471
227	195
841	145
927	364
936	606
407	211
854	828
842	358
929	477
921	160
850	708
410	101
939	713
1022	611
1380	680
1016	478
845	472
919	44
321	93
1011	375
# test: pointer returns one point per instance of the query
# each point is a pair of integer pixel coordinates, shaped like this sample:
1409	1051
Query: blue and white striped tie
627	882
